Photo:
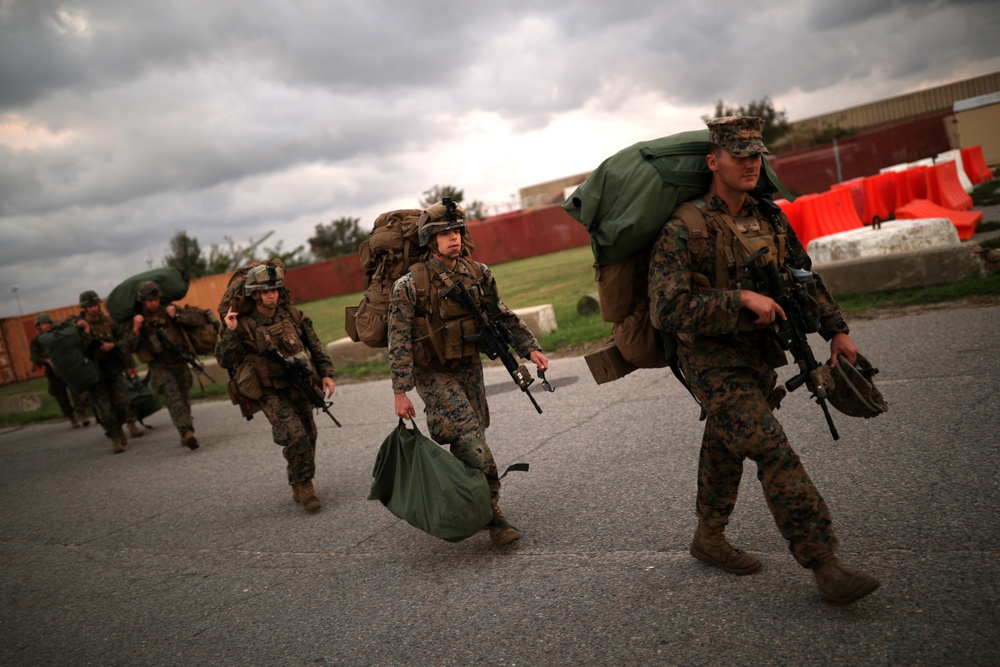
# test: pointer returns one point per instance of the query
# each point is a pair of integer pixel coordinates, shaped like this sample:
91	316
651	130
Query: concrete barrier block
902	270
540	320
344	351
18	403
892	237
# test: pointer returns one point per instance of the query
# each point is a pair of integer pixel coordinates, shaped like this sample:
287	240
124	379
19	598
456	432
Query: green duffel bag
625	202
121	302
141	397
64	346
430	489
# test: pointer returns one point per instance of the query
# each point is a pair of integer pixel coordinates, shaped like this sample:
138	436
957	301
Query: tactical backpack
386	256
624	204
63	345
203	335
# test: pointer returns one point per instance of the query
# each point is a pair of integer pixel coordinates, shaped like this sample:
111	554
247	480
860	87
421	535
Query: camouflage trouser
109	398
172	380
59	391
294	429
740	425
458	415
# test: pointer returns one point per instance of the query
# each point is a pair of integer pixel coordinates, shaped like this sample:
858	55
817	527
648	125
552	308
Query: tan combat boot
134	430
118	442
840	584
306	494
711	546
501	532
189	441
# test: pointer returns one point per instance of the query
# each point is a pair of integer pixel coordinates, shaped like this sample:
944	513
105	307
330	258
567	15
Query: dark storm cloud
123	122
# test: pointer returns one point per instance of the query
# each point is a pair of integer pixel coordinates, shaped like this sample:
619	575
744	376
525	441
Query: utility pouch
455	344
248	382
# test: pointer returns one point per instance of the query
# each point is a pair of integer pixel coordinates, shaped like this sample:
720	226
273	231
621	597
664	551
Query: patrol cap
740	135
89	298
435	219
42	317
147	290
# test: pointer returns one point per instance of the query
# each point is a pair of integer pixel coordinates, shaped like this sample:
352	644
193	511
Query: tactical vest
104	330
441	324
151	345
284	334
734	241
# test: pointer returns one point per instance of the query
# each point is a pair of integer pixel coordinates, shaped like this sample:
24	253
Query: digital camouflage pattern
731	373
740	135
290	413
109	397
454	394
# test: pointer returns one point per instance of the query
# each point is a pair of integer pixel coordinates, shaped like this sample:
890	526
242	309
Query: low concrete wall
19	403
902	270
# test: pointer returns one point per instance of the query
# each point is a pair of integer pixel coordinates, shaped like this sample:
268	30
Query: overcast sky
125	121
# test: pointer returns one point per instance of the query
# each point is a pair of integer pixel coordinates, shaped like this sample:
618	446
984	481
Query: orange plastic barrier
944	188
975	165
826	213
879	197
917	180
965	223
904	194
857	189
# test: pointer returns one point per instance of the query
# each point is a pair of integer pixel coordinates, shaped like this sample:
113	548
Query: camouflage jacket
707	321
402	308
243	345
103	331
149	344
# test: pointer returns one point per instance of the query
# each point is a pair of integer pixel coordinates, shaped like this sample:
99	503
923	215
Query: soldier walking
157	339
728	351
109	397
257	346
427	351
57	388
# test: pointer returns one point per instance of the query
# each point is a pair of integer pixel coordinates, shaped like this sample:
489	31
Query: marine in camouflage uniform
157	338
447	374
728	353
109	397
57	388
246	346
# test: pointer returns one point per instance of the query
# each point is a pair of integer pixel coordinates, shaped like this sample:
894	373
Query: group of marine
726	348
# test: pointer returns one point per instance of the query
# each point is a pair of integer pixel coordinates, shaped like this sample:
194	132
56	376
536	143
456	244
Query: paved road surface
161	556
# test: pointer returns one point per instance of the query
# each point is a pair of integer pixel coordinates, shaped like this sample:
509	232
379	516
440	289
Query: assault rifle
493	338
298	375
183	353
790	293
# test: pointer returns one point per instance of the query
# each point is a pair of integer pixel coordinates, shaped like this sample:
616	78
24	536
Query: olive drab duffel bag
121	302
430	489
141	397
64	346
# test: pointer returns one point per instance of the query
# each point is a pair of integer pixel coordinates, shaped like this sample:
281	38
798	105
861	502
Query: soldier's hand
404	407
172	310
137	323
230	319
328	386
107	346
842	344
83	324
764	307
540	360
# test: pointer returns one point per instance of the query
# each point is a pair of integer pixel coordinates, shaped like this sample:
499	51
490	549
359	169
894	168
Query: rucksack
386	256
63	345
121	302
203	335
140	395
624	204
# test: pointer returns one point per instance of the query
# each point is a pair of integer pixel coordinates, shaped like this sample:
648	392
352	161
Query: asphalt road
162	556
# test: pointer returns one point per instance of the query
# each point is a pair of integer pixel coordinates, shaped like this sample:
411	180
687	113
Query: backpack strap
691	213
422	286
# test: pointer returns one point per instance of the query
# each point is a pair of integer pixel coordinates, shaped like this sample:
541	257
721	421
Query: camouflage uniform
109	397
169	374
57	388
730	367
287	409
453	393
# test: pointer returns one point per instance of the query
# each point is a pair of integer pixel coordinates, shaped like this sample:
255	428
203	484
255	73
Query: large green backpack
121	302
624	204
64	346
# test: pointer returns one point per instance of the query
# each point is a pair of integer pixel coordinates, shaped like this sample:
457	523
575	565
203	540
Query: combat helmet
853	393
263	277
42	317
438	218
147	290
90	298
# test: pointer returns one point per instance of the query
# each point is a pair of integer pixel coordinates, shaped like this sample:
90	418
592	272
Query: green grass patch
987	194
969	287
